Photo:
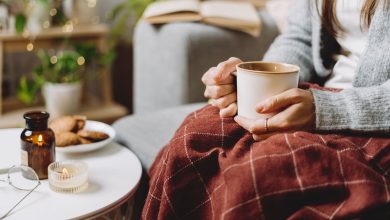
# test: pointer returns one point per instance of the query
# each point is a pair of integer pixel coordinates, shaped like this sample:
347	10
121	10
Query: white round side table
114	174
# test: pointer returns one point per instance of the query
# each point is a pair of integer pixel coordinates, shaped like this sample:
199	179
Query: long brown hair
329	17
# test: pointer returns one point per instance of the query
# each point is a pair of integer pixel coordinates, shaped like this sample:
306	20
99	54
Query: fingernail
260	108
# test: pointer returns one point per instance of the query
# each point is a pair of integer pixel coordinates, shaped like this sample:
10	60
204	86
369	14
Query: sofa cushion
146	134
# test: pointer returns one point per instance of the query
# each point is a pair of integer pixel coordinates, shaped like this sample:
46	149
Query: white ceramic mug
257	81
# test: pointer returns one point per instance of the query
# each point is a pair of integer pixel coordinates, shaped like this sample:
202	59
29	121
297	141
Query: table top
114	174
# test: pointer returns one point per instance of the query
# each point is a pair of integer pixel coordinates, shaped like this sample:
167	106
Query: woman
272	169
360	40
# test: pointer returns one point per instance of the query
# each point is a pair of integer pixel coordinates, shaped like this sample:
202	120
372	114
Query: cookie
81	120
93	135
67	138
84	140
63	124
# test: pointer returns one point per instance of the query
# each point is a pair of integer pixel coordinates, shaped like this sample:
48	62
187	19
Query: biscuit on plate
93	135
84	140
81	121
67	138
63	124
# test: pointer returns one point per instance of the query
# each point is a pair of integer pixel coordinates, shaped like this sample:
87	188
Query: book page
256	3
170	7
241	16
229	10
253	30
174	17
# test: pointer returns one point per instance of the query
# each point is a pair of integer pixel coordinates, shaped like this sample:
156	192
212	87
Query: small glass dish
68	176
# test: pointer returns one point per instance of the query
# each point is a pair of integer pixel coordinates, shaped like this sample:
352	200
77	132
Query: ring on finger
266	125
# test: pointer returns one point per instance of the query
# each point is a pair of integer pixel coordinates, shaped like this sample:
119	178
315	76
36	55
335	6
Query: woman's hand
220	86
294	110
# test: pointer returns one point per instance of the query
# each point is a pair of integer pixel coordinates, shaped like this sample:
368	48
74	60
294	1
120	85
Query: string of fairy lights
68	27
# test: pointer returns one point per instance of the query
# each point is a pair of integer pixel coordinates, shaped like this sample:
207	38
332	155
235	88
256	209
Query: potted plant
60	78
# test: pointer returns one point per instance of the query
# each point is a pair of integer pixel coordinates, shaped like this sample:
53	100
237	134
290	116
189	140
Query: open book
241	16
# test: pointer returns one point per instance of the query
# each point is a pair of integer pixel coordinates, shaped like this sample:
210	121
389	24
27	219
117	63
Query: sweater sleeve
295	45
356	109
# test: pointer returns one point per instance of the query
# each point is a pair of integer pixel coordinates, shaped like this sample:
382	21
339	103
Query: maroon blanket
212	169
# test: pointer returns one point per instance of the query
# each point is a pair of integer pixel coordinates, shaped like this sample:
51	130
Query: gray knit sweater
366	106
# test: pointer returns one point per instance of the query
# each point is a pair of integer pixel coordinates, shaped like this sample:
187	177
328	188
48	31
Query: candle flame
65	171
40	140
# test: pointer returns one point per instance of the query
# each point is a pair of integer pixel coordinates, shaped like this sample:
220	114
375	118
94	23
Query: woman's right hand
220	86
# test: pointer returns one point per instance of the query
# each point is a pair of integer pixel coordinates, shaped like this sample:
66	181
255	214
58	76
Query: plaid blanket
212	169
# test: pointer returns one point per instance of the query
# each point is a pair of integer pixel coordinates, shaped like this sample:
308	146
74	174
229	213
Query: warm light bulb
53	12
30	47
46	24
81	61
68	27
53	59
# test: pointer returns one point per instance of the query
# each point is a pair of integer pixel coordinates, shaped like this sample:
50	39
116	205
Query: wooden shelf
106	113
104	109
59	32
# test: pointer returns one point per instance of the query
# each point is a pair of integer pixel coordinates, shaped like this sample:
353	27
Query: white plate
93	126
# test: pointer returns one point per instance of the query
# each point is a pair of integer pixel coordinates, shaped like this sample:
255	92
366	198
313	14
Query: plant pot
62	98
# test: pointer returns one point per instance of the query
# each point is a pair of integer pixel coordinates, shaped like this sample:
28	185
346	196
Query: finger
280	101
222	74
283	121
229	111
226	68
209	78
226	100
215	92
253	126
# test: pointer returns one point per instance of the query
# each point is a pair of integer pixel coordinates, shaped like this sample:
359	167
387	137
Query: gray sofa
169	62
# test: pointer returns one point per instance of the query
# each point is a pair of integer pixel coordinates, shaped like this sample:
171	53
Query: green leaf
20	23
87	50
45	2
27	91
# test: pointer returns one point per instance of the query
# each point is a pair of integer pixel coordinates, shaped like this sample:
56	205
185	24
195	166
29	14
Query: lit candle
68	176
40	140
37	143
65	172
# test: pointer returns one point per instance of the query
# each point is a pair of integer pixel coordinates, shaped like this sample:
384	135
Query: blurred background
96	33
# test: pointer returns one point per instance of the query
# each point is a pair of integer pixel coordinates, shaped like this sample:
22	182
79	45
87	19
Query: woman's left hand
294	110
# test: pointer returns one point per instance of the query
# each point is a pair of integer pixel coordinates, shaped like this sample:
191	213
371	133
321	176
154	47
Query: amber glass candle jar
37	143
